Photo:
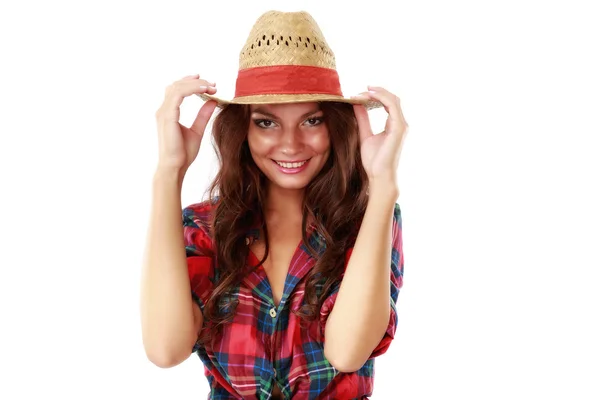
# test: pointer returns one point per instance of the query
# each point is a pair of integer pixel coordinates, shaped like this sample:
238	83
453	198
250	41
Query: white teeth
291	165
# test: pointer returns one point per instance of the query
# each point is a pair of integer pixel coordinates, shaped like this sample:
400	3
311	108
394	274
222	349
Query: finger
395	125
390	101
175	93
364	124
203	117
386	98
197	76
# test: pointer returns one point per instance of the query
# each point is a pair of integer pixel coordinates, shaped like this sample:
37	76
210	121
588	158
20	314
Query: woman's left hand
381	153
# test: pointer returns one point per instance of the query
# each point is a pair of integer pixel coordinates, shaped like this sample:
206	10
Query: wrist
384	188
166	175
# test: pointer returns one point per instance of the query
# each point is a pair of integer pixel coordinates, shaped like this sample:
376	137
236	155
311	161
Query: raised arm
170	319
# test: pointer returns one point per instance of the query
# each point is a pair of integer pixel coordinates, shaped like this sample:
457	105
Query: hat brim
290	98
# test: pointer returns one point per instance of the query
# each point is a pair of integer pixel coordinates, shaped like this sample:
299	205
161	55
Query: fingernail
202	87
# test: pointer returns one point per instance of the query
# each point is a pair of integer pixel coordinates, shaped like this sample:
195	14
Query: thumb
204	115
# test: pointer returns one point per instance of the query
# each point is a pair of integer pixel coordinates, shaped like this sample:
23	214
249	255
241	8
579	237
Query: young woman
295	261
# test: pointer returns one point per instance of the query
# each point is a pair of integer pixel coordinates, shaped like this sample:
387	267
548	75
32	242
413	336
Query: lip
291	161
292	170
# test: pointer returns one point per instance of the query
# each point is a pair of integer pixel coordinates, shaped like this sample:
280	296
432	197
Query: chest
283	244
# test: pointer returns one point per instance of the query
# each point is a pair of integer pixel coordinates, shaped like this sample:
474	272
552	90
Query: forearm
361	313
166	303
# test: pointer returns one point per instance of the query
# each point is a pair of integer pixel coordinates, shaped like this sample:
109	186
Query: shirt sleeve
198	249
396	282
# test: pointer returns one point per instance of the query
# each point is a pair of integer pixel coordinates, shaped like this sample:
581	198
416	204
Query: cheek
320	143
259	144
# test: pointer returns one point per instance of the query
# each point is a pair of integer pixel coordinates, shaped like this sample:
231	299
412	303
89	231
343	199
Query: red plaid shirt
264	344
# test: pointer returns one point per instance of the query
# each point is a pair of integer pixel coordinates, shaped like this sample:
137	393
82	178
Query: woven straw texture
287	38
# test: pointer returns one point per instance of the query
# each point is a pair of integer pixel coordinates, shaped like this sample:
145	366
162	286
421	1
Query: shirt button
273	312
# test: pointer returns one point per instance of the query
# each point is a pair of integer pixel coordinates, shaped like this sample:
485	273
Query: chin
289	185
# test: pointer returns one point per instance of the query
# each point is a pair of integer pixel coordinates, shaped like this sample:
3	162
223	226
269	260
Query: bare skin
170	320
285	133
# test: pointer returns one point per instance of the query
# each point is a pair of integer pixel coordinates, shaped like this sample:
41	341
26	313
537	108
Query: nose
291	141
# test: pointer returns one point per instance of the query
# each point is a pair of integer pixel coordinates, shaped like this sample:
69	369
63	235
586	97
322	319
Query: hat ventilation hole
259	43
267	42
252	46
308	40
272	37
264	37
286	43
277	41
314	46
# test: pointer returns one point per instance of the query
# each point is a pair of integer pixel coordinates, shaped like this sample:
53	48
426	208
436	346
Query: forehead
289	108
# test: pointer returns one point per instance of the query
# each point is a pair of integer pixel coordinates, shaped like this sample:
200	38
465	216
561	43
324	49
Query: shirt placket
300	265
273	342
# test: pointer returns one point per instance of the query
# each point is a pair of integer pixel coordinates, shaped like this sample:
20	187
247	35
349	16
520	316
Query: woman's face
288	142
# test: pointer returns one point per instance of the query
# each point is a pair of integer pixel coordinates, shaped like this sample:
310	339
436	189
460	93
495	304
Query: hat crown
286	38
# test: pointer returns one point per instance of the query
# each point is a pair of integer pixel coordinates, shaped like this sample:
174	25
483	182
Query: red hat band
287	79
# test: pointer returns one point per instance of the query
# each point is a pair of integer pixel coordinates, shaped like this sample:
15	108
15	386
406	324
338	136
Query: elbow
349	354
167	353
344	362
165	359
166	350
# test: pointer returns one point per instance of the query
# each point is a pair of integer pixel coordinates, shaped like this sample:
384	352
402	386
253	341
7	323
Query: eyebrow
273	116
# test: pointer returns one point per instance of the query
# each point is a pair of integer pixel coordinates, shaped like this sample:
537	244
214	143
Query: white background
498	178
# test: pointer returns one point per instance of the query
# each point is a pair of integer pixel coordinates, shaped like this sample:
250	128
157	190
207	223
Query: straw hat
286	59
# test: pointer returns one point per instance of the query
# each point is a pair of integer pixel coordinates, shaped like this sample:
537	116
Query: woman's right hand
178	146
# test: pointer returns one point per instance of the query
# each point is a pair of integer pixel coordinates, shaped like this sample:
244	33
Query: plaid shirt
264	344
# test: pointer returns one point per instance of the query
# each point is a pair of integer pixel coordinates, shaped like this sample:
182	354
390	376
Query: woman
295	263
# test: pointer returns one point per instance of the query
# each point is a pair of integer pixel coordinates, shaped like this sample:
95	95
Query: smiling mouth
295	164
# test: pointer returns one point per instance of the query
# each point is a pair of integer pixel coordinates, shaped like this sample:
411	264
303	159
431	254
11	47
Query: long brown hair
335	199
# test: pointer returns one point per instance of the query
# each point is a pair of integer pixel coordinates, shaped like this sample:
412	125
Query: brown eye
314	121
263	123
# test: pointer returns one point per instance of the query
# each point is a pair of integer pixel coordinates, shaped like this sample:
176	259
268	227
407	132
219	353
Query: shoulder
198	214
196	218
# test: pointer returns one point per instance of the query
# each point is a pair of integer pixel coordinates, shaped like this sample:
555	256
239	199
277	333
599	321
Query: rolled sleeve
198	249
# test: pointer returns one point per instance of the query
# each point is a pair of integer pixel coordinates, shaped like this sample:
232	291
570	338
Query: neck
284	203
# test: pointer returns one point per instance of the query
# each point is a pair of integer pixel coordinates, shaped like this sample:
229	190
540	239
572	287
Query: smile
292	167
295	164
